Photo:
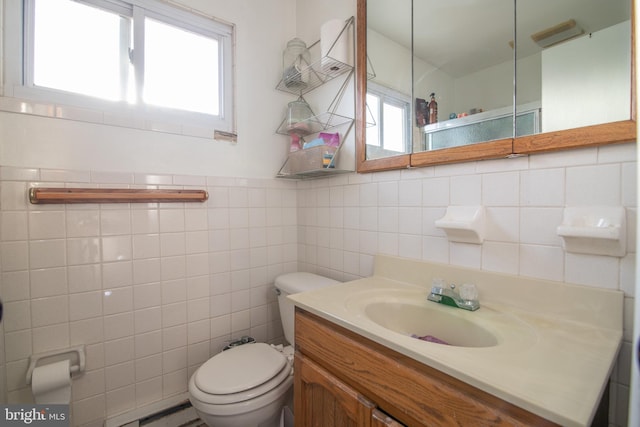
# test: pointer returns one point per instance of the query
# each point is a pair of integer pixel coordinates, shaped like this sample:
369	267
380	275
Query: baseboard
137	414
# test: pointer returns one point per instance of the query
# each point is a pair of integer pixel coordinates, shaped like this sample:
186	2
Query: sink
547	347
404	312
430	321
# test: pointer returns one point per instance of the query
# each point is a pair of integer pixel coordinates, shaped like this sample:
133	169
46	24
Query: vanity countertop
557	343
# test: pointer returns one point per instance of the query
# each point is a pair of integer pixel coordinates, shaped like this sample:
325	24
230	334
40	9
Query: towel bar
39	195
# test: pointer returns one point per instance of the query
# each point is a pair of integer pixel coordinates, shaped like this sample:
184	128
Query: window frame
30	99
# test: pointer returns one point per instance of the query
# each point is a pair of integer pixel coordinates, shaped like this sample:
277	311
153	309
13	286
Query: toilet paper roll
341	50
51	383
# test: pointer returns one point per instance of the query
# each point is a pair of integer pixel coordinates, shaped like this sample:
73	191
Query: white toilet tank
293	283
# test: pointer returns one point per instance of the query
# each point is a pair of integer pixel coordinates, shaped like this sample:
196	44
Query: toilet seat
240	374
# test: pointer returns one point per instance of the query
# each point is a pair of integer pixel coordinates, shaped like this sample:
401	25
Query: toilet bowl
242	387
248	385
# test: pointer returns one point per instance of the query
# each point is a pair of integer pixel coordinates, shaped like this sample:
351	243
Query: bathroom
183	281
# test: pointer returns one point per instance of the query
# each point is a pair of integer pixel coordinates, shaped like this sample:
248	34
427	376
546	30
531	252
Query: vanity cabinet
380	419
340	373
327	401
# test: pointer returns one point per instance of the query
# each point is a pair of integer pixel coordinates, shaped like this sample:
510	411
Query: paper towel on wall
51	383
333	47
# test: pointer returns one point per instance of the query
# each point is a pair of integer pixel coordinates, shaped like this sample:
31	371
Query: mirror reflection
389	90
569	55
469	67
574	61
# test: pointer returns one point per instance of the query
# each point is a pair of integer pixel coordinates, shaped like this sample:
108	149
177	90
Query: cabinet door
322	400
380	419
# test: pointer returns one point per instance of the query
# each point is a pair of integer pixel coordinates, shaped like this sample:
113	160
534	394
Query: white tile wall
152	290
394	213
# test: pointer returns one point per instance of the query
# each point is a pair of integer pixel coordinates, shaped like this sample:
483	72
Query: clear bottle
295	62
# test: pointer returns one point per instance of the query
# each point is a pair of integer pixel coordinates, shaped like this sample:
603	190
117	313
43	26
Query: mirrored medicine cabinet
509	77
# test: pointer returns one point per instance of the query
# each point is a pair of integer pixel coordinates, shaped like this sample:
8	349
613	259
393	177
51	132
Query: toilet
248	385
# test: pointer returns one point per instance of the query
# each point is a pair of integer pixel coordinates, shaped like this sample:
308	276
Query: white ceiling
463	36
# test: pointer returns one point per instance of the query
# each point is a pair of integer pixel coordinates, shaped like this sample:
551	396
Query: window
81	55
390	111
140	57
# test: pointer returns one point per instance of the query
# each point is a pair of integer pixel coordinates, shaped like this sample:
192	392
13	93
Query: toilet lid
292	283
239	369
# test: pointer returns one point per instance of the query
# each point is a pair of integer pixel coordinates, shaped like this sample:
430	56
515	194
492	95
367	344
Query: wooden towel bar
39	195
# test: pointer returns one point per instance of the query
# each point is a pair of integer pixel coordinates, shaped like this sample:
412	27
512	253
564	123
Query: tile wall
344	221
154	290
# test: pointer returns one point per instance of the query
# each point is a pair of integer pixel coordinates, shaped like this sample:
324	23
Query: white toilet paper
51	383
341	50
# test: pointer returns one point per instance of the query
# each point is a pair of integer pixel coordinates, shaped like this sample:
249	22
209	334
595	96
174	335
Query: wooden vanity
344	379
549	367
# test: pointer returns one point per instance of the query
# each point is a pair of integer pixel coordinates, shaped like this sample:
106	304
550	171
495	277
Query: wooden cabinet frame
608	133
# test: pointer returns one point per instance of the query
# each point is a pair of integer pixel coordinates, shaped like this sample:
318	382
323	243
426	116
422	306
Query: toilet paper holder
75	355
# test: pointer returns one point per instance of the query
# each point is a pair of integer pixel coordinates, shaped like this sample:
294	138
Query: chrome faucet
466	299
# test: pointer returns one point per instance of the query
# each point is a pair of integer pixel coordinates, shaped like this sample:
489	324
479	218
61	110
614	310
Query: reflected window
388	130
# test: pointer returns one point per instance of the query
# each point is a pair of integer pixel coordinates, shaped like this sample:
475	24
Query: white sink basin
407	312
429	322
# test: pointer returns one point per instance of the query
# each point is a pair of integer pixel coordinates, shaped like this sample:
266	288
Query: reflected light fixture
558	33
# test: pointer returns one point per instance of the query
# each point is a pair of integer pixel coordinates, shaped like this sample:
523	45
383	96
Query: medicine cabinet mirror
563	69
